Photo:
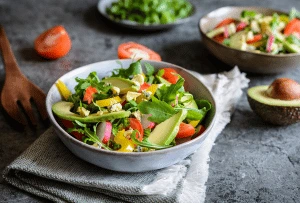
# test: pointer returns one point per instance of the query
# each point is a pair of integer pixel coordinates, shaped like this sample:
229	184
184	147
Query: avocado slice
215	32
125	85
165	132
238	40
274	111
62	110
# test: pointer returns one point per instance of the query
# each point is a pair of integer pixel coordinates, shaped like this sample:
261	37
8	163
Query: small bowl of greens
258	40
147	15
131	116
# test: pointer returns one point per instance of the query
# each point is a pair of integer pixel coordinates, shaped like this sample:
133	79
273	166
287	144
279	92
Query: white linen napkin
48	169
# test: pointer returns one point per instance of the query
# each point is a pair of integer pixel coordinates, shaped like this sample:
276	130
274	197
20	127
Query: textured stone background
251	161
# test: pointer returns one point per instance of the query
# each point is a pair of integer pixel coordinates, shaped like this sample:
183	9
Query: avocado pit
278	103
284	89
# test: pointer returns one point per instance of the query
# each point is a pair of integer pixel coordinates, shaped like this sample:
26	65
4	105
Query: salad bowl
104	4
130	161
248	61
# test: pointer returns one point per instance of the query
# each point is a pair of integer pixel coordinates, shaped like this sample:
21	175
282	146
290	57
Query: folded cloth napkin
48	169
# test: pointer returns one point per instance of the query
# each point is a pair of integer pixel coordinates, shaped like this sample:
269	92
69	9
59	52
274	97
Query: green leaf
134	69
90	136
168	93
248	14
149	69
159	110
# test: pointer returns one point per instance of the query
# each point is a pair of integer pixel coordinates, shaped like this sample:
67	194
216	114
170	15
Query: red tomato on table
53	43
130	50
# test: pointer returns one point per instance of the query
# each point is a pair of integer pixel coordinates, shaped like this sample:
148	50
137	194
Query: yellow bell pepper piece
108	102
63	89
152	88
126	145
284	18
194	123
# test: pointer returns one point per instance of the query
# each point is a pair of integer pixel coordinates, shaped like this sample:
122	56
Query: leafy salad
150	11
132	110
273	34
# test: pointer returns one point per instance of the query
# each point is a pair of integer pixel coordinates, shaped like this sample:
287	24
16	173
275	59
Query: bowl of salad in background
258	40
147	15
131	116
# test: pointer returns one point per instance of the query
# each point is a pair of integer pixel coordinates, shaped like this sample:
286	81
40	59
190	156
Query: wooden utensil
18	90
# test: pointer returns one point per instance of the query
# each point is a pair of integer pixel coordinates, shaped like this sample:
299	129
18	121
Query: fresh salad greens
136	109
150	11
273	34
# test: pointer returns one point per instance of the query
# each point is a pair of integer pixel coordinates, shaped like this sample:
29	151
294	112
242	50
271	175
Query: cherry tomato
53	43
89	92
185	130
68	124
292	27
144	86
226	21
256	38
170	75
135	124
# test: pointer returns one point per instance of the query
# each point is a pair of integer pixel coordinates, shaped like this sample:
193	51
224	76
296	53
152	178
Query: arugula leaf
119	124
131	106
149	69
168	93
134	69
160	73
203	103
92	80
159	110
248	14
90	136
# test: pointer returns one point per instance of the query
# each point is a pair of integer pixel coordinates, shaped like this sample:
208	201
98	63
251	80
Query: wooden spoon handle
10	62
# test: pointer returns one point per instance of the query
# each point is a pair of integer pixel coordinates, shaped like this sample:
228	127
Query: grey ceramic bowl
103	4
246	60
129	161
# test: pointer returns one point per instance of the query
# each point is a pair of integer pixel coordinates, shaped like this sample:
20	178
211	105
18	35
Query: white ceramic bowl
129	161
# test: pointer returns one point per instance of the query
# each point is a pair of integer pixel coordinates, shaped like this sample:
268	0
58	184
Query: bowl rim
210	14
163	151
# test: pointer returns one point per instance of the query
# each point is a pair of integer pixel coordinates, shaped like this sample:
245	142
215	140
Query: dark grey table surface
251	161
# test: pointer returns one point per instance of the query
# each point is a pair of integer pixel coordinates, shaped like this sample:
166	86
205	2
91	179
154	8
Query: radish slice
103	131
241	26
226	32
145	122
270	43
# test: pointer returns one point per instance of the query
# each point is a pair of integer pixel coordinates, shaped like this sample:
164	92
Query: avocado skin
276	115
